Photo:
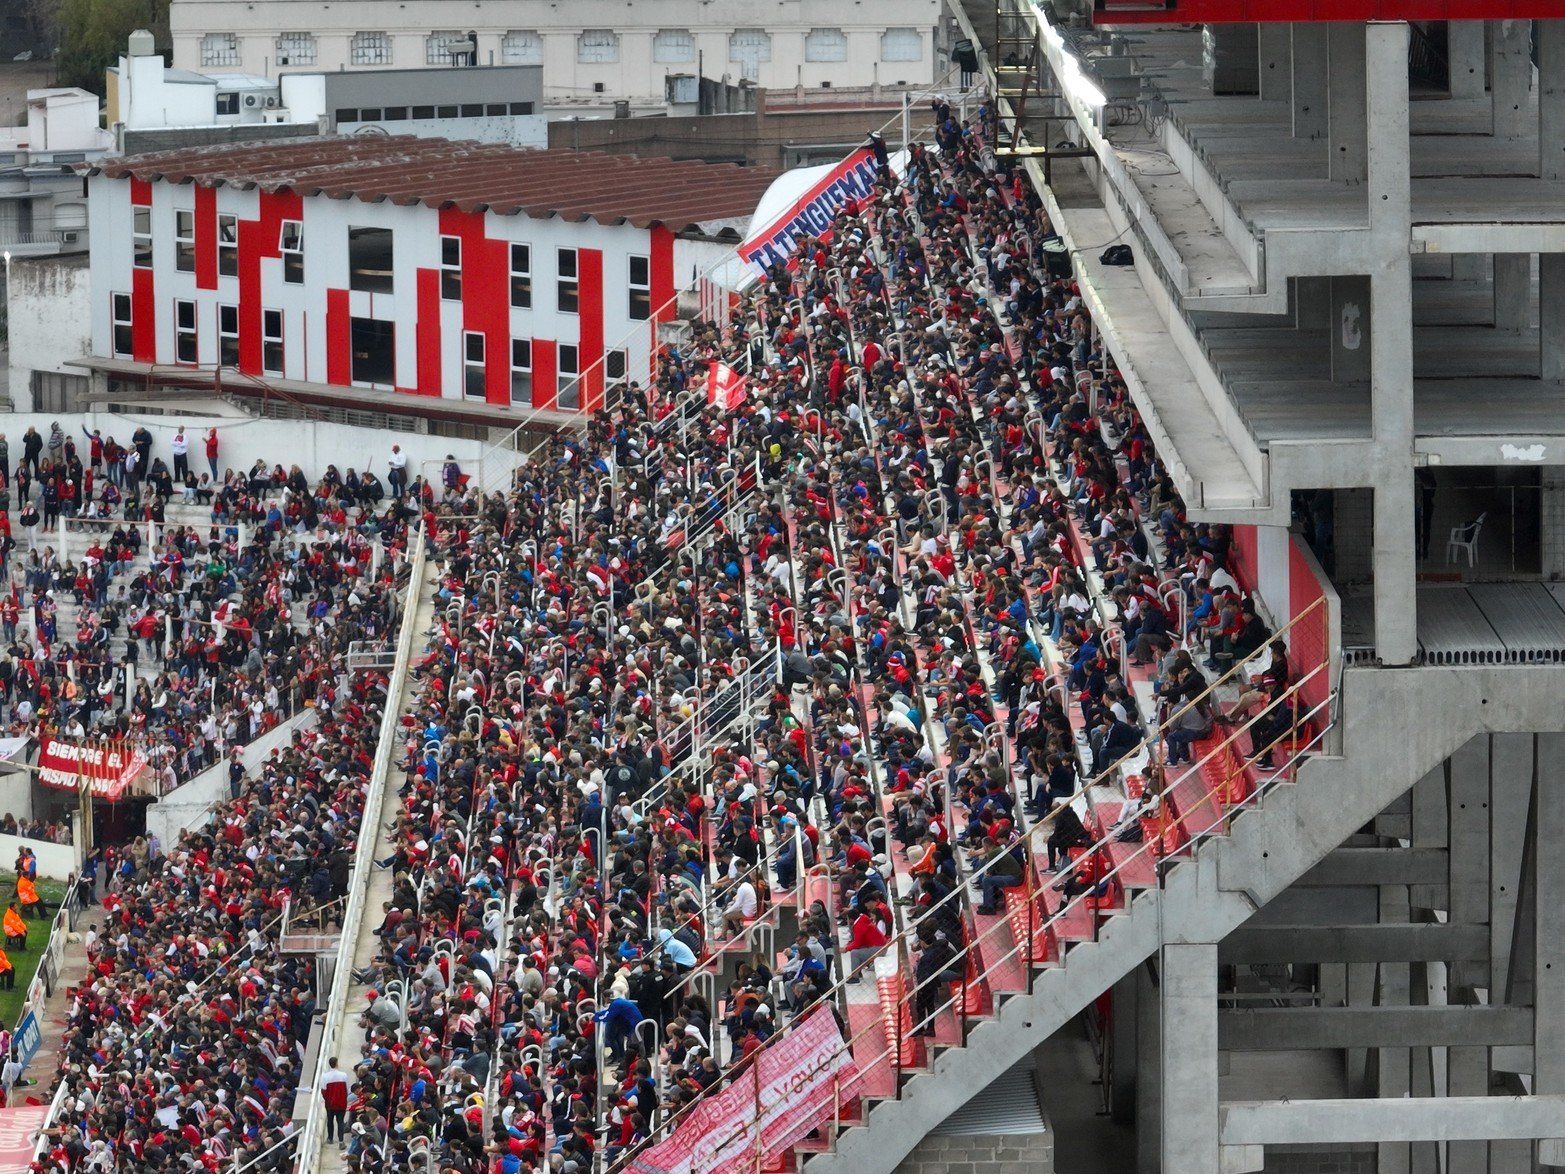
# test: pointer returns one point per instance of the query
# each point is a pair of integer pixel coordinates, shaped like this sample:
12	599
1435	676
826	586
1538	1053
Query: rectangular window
185	241
369	259
567	296
272	341
521	276
347	114
119	314
370	49
473	364
373	343
141	236
439	46
568	384
597	47
220	49
185	333
673	46
826	45
615	364
290	243
295	48
228	102
640	289
451	268
423	112
395	114
522	370
228	244
521	107
228	336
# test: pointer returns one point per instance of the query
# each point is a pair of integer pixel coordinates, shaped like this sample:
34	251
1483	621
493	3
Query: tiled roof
574	185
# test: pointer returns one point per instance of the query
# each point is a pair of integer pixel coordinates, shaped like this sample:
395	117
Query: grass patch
26	961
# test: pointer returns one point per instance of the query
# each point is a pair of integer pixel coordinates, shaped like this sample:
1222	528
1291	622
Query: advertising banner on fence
789	1090
803	202
110	767
17	1145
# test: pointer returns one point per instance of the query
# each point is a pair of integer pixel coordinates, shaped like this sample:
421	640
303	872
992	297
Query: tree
93	34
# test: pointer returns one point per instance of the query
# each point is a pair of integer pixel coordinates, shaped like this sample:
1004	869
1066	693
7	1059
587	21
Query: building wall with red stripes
455	326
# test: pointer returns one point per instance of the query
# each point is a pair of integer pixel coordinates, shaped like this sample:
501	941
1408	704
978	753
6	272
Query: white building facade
589	50
417	297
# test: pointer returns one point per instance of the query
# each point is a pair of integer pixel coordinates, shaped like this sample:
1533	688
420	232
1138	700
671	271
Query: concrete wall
768	137
242	440
187	806
49	304
1031	1153
56	861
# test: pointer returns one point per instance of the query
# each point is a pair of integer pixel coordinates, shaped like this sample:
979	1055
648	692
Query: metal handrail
1155	847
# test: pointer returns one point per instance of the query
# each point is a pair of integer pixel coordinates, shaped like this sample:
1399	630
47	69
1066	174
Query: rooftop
683	195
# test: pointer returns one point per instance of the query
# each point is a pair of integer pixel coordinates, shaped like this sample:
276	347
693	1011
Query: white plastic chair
1465	538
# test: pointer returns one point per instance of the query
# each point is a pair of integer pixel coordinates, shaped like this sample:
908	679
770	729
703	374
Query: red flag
724	385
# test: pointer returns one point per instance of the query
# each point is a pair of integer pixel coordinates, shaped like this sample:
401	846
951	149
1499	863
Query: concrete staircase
1388	743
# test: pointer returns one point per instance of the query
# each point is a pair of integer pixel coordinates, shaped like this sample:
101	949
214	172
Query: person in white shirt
397	470
181	446
741	907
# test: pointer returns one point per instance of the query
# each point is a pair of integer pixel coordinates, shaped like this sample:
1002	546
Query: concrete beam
1270	1029
1378	866
1400	1119
1356	943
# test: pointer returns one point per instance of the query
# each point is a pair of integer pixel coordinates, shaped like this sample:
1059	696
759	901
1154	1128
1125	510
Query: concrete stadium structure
1345	271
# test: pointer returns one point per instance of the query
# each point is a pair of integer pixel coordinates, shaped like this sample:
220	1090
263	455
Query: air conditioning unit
272	100
252	99
68	238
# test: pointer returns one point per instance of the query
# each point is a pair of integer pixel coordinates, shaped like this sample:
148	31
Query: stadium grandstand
757	779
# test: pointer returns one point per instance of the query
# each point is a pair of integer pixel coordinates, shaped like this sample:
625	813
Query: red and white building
413	276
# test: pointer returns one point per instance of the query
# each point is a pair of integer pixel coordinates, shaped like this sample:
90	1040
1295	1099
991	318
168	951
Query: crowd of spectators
55	832
183	1046
928	419
867	561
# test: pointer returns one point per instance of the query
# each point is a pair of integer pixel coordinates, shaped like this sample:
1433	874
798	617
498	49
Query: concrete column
1465	53
1383	68
1348	106
1350	329
1392	1067
1548	1045
1551	315
1512	292
1312	303
1122	1039
1149	1075
1510	76
1467	1068
1190	1124
1307	73
1550	35
1276	62
1553	546
1510	795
